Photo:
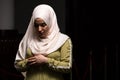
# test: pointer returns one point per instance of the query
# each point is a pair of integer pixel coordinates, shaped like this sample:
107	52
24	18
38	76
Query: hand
37	59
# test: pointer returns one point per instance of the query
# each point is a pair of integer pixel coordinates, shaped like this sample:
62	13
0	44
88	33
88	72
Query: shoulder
67	43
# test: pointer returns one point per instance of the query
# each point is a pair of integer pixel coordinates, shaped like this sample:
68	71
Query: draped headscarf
54	40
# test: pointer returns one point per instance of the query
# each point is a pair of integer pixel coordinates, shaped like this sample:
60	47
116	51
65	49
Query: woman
44	52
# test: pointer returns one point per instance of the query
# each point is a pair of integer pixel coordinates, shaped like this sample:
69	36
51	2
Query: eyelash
42	25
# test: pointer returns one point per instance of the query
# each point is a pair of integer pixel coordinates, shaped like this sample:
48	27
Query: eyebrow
41	24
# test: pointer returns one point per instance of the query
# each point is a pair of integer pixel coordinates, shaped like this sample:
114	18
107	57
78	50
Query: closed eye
40	24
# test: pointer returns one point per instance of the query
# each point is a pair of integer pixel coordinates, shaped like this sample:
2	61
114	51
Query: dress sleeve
21	65
64	64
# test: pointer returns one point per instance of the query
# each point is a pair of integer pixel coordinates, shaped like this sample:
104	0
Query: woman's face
41	28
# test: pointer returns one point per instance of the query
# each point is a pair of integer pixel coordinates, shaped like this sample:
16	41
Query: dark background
24	9
94	29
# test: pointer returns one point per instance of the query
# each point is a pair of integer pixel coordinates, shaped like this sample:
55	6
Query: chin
42	37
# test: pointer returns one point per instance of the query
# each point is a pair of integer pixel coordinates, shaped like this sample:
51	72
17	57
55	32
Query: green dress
59	62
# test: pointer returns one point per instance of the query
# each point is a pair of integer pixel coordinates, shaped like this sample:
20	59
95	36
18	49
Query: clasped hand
37	59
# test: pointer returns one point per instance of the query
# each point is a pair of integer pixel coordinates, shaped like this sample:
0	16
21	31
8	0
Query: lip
40	32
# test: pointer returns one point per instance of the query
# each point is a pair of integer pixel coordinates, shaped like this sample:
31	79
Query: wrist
46	60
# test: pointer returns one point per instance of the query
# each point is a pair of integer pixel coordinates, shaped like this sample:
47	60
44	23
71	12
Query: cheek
46	29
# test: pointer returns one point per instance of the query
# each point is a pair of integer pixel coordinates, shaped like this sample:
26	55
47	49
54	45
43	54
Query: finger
31	58
32	63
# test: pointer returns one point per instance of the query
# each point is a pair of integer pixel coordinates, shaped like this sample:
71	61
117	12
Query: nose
40	28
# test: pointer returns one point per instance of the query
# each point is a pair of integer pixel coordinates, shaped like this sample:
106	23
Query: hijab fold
54	40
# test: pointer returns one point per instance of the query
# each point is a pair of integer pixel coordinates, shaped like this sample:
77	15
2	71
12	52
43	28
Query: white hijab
54	40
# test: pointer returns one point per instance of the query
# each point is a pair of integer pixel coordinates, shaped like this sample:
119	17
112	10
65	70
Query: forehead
39	20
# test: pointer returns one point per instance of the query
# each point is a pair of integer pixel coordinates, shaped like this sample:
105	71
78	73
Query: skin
42	33
41	28
37	59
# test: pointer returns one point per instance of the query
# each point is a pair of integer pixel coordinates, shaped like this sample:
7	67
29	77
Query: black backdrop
93	27
23	12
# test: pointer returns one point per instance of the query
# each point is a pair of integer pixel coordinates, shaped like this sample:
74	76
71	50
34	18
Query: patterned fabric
59	62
